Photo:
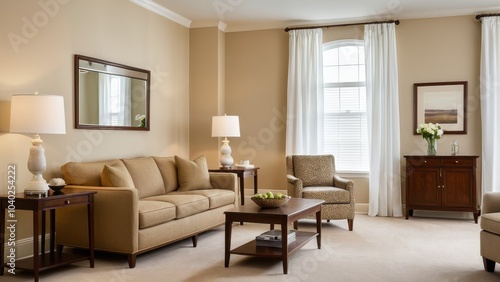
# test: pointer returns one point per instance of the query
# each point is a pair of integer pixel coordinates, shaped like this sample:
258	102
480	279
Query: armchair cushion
331	195
314	170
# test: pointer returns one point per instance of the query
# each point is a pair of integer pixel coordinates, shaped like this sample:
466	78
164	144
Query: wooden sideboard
441	183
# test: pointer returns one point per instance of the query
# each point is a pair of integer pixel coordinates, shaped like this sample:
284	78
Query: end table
242	173
42	261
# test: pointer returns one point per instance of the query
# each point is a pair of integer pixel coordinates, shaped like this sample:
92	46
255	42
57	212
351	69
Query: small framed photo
441	102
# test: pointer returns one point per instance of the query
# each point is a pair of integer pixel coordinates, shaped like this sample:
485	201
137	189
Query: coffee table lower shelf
251	249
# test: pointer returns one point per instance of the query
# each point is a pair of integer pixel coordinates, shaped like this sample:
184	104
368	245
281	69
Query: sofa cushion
216	197
146	175
185	205
314	170
168	171
85	173
116	175
331	195
193	175
491	222
152	213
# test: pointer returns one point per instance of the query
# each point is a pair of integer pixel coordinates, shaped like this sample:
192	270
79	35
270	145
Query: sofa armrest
227	181
294	186
116	220
491	202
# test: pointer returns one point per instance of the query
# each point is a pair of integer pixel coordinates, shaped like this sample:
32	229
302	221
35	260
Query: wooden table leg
284	246
52	231
255	186
318	228
36	256
90	221
42	237
242	188
227	242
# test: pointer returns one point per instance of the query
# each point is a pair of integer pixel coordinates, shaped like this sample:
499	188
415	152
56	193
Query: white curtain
304	127
115	95
383	120
104	99
490	103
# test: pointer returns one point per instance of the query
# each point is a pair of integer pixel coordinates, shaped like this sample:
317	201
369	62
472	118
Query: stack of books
272	238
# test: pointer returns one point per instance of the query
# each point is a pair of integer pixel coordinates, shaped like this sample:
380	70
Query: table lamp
37	114
225	126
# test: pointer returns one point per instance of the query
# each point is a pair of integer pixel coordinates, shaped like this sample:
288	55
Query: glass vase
431	146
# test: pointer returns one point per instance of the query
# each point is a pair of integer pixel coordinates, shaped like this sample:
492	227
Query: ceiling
238	15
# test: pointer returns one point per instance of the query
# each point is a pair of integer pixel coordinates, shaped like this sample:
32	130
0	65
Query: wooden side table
43	261
242	173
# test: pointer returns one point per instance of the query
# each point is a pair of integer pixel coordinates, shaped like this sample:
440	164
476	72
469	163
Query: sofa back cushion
146	176
168	172
193	175
84	173
116	175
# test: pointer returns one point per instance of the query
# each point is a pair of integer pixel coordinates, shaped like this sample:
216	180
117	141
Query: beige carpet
379	249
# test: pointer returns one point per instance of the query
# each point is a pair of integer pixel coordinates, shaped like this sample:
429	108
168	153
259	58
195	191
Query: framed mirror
110	95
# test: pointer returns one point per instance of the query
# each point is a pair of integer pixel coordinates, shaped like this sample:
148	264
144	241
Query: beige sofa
490	233
144	203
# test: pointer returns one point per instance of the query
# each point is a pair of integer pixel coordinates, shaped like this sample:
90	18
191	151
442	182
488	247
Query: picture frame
444	103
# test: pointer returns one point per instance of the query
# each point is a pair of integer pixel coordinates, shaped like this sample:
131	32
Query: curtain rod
336	25
478	17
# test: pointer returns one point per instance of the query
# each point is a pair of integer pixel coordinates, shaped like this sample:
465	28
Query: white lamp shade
40	114
225	126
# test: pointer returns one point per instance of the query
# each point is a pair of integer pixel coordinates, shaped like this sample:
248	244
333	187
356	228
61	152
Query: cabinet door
423	187
457	191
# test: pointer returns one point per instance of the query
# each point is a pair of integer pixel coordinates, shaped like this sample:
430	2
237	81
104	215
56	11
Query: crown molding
162	11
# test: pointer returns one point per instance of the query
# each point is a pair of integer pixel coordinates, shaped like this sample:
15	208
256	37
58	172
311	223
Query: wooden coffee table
289	213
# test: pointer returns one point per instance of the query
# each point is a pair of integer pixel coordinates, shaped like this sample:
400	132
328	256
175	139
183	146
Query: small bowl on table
268	203
57	188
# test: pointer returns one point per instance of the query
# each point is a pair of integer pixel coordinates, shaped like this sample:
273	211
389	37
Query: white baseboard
24	247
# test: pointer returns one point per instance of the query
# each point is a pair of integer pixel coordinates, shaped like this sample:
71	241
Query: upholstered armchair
490	233
314	177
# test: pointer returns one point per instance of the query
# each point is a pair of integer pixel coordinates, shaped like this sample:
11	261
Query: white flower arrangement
430	130
141	119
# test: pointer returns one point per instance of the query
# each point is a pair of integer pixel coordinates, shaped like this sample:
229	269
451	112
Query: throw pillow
193	175
116	175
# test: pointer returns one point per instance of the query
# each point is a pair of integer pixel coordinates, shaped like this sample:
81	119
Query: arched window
345	124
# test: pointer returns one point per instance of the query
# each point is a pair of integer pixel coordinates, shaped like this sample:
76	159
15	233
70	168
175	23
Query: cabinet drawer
66	202
422	162
466	162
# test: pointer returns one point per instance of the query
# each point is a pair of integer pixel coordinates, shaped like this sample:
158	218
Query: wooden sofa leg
350	223
327	220
489	265
59	248
194	238
296	225
131	260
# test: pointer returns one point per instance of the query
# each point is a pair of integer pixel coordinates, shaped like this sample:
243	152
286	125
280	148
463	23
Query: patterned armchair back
313	170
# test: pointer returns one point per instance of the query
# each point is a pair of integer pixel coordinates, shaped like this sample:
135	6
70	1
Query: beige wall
113	30
429	50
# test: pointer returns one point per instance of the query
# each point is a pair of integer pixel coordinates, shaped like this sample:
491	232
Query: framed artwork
441	102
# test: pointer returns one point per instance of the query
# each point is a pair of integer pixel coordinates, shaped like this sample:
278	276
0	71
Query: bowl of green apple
270	200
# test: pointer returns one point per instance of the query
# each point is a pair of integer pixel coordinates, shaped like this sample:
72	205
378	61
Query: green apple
279	195
270	195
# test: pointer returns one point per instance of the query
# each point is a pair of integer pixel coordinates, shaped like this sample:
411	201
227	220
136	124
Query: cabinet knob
67	202
456	162
425	162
